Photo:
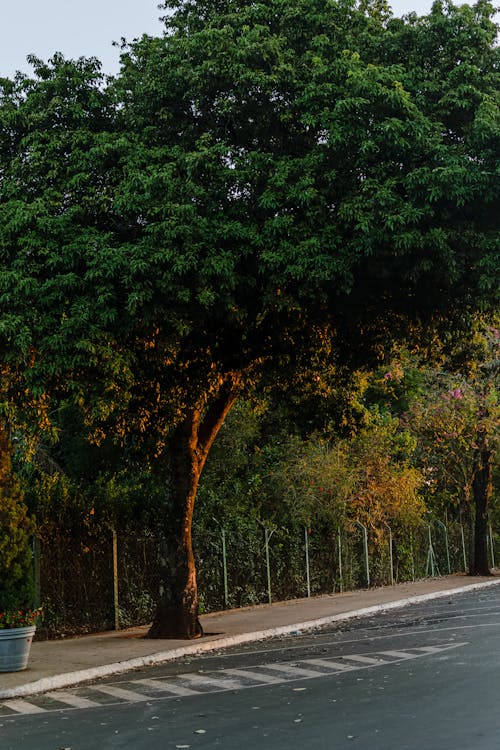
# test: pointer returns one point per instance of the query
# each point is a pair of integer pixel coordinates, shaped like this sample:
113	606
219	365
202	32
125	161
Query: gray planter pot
15	644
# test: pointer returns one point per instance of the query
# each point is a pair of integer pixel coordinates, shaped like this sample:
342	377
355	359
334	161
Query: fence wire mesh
81	592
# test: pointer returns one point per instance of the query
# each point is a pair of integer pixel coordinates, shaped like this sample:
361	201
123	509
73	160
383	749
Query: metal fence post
491	547
341	580
224	568
365	545
224	563
464	551
440	523
431	557
412	555
306	546
267	536
36	572
391	558
115	581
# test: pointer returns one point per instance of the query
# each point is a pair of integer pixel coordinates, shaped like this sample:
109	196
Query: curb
74	678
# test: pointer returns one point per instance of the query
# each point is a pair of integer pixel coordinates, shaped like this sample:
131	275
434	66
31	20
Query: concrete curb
74	678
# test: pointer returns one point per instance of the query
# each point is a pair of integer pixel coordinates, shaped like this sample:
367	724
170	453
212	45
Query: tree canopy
265	180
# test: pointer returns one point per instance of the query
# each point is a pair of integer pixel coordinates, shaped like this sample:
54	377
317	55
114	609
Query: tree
453	411
257	184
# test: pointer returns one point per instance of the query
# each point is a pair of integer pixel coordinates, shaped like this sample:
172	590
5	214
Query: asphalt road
426	677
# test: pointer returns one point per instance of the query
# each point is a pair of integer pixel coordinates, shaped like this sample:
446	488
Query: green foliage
261	172
16	529
450	409
283	480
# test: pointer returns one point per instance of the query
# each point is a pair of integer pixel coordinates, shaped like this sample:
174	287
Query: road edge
68	679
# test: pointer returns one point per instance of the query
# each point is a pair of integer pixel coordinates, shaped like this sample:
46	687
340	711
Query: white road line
408	633
401	654
223	679
127	695
23	707
167	687
365	659
293	671
73	700
257	676
334	665
438	649
204	680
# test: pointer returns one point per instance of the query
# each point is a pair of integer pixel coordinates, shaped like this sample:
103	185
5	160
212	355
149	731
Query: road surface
423	677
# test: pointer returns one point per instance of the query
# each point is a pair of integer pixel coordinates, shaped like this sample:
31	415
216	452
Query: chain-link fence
97	580
101	578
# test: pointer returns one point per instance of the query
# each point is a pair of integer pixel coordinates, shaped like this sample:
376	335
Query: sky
88	27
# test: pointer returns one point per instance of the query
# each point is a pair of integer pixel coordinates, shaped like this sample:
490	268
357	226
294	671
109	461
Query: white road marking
218	682
76	701
335	665
365	659
23	707
126	695
257	676
167	687
409	632
293	671
222	679
401	654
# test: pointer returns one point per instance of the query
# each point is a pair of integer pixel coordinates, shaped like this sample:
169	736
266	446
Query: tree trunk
177	607
481	491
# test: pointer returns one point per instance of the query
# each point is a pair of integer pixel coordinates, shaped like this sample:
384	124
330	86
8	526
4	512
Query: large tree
265	180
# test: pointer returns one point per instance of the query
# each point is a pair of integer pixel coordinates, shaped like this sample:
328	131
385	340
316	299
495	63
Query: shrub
16	528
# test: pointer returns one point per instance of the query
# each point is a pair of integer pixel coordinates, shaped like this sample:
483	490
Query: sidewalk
57	664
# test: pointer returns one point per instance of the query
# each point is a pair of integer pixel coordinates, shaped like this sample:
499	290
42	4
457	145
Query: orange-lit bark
177	608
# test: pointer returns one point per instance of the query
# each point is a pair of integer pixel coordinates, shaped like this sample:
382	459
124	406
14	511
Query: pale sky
88	27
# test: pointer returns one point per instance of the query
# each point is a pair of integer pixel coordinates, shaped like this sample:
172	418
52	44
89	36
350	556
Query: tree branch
217	412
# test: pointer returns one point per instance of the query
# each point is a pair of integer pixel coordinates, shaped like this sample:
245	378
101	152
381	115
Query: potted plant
17	616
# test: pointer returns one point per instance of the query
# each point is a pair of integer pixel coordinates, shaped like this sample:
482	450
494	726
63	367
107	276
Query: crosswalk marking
196	684
257	676
23	707
167	687
127	695
76	701
364	659
292	670
401	654
218	682
335	665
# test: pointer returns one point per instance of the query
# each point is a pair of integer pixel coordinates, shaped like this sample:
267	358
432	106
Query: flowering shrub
21	618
